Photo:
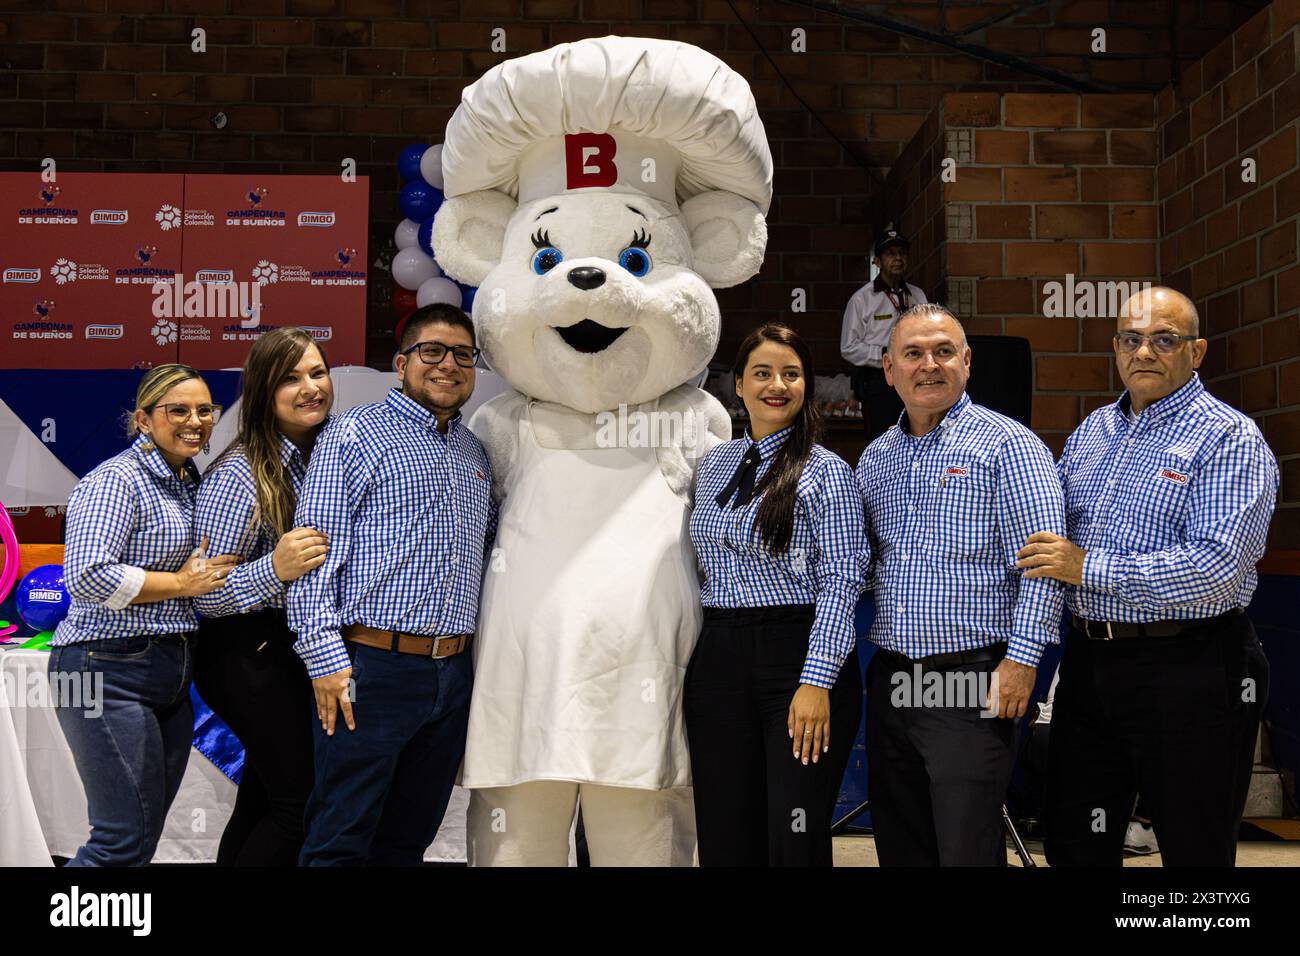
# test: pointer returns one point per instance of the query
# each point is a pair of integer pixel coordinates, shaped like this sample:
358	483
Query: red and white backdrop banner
121	270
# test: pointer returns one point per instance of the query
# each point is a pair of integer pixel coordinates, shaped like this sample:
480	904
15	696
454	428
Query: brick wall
1046	185
1229	243
113	85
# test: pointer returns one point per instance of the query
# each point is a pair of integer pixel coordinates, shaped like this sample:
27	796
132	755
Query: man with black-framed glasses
401	489
1168	497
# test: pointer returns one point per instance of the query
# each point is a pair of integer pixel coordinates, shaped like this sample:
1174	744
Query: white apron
589	614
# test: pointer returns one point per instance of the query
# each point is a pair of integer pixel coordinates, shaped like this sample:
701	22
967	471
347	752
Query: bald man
1168	496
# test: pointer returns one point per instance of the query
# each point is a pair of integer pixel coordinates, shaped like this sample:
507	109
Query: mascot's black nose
587	277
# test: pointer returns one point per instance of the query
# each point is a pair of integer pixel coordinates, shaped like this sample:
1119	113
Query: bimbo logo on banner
22	275
104	331
109	217
324	219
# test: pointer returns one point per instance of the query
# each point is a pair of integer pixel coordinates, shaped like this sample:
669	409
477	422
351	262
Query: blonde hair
157	382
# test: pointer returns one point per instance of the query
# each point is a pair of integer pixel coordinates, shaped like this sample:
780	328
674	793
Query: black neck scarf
742	480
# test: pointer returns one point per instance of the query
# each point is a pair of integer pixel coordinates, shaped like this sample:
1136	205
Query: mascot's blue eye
546	259
635	261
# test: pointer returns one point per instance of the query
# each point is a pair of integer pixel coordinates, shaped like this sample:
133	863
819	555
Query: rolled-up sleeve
103	511
843	555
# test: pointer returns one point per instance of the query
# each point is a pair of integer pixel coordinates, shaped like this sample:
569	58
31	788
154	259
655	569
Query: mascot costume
595	192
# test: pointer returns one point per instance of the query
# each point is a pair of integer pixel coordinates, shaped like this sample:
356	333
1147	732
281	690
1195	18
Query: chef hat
592	114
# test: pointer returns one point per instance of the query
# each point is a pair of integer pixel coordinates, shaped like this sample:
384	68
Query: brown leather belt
444	646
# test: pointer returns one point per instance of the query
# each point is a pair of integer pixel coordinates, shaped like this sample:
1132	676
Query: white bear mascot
595	192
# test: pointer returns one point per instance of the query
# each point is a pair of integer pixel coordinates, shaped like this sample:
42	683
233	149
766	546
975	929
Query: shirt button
900	609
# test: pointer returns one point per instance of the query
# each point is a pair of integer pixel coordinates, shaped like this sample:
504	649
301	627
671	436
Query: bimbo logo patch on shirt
1176	477
954	471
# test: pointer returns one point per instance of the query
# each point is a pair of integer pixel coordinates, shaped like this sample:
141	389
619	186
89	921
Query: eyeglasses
179	414
1164	343
431	353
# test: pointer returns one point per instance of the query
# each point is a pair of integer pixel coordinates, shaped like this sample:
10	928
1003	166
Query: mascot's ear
729	236
468	232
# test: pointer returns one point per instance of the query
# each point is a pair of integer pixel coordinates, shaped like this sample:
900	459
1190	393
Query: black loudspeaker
1002	375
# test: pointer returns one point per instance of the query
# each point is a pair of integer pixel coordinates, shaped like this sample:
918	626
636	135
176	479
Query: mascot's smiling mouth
588	336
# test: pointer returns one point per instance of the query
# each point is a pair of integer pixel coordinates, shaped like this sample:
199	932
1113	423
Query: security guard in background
1168	497
868	319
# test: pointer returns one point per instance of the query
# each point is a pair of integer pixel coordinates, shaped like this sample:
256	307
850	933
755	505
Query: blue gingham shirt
409	517
129	515
826	562
1172	509
224	514
946	514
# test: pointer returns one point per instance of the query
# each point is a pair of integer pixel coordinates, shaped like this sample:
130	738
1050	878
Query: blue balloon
419	201
467	293
42	599
408	162
424	236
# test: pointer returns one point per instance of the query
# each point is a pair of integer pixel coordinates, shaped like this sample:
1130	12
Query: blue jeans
382	789
131	757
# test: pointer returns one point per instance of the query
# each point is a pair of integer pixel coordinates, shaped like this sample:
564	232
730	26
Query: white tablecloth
43	805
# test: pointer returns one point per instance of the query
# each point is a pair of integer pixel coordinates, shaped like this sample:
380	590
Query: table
43	805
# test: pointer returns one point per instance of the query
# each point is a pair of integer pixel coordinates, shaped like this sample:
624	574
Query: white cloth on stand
44	803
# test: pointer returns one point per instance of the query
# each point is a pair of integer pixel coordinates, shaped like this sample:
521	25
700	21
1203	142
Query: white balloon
411	268
437	290
431	166
406	234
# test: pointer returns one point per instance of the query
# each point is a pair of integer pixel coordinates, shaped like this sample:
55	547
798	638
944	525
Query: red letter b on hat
589	160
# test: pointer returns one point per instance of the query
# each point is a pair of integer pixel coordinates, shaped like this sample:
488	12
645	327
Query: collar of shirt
408	407
1167	407
949	420
290	454
152	461
880	285
768	447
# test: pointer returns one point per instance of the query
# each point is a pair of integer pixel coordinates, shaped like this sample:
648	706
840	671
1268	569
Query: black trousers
883	406
246	671
755	805
1174	718
937	770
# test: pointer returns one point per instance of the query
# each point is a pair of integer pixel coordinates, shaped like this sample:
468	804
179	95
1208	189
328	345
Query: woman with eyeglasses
245	668
773	694
120	662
